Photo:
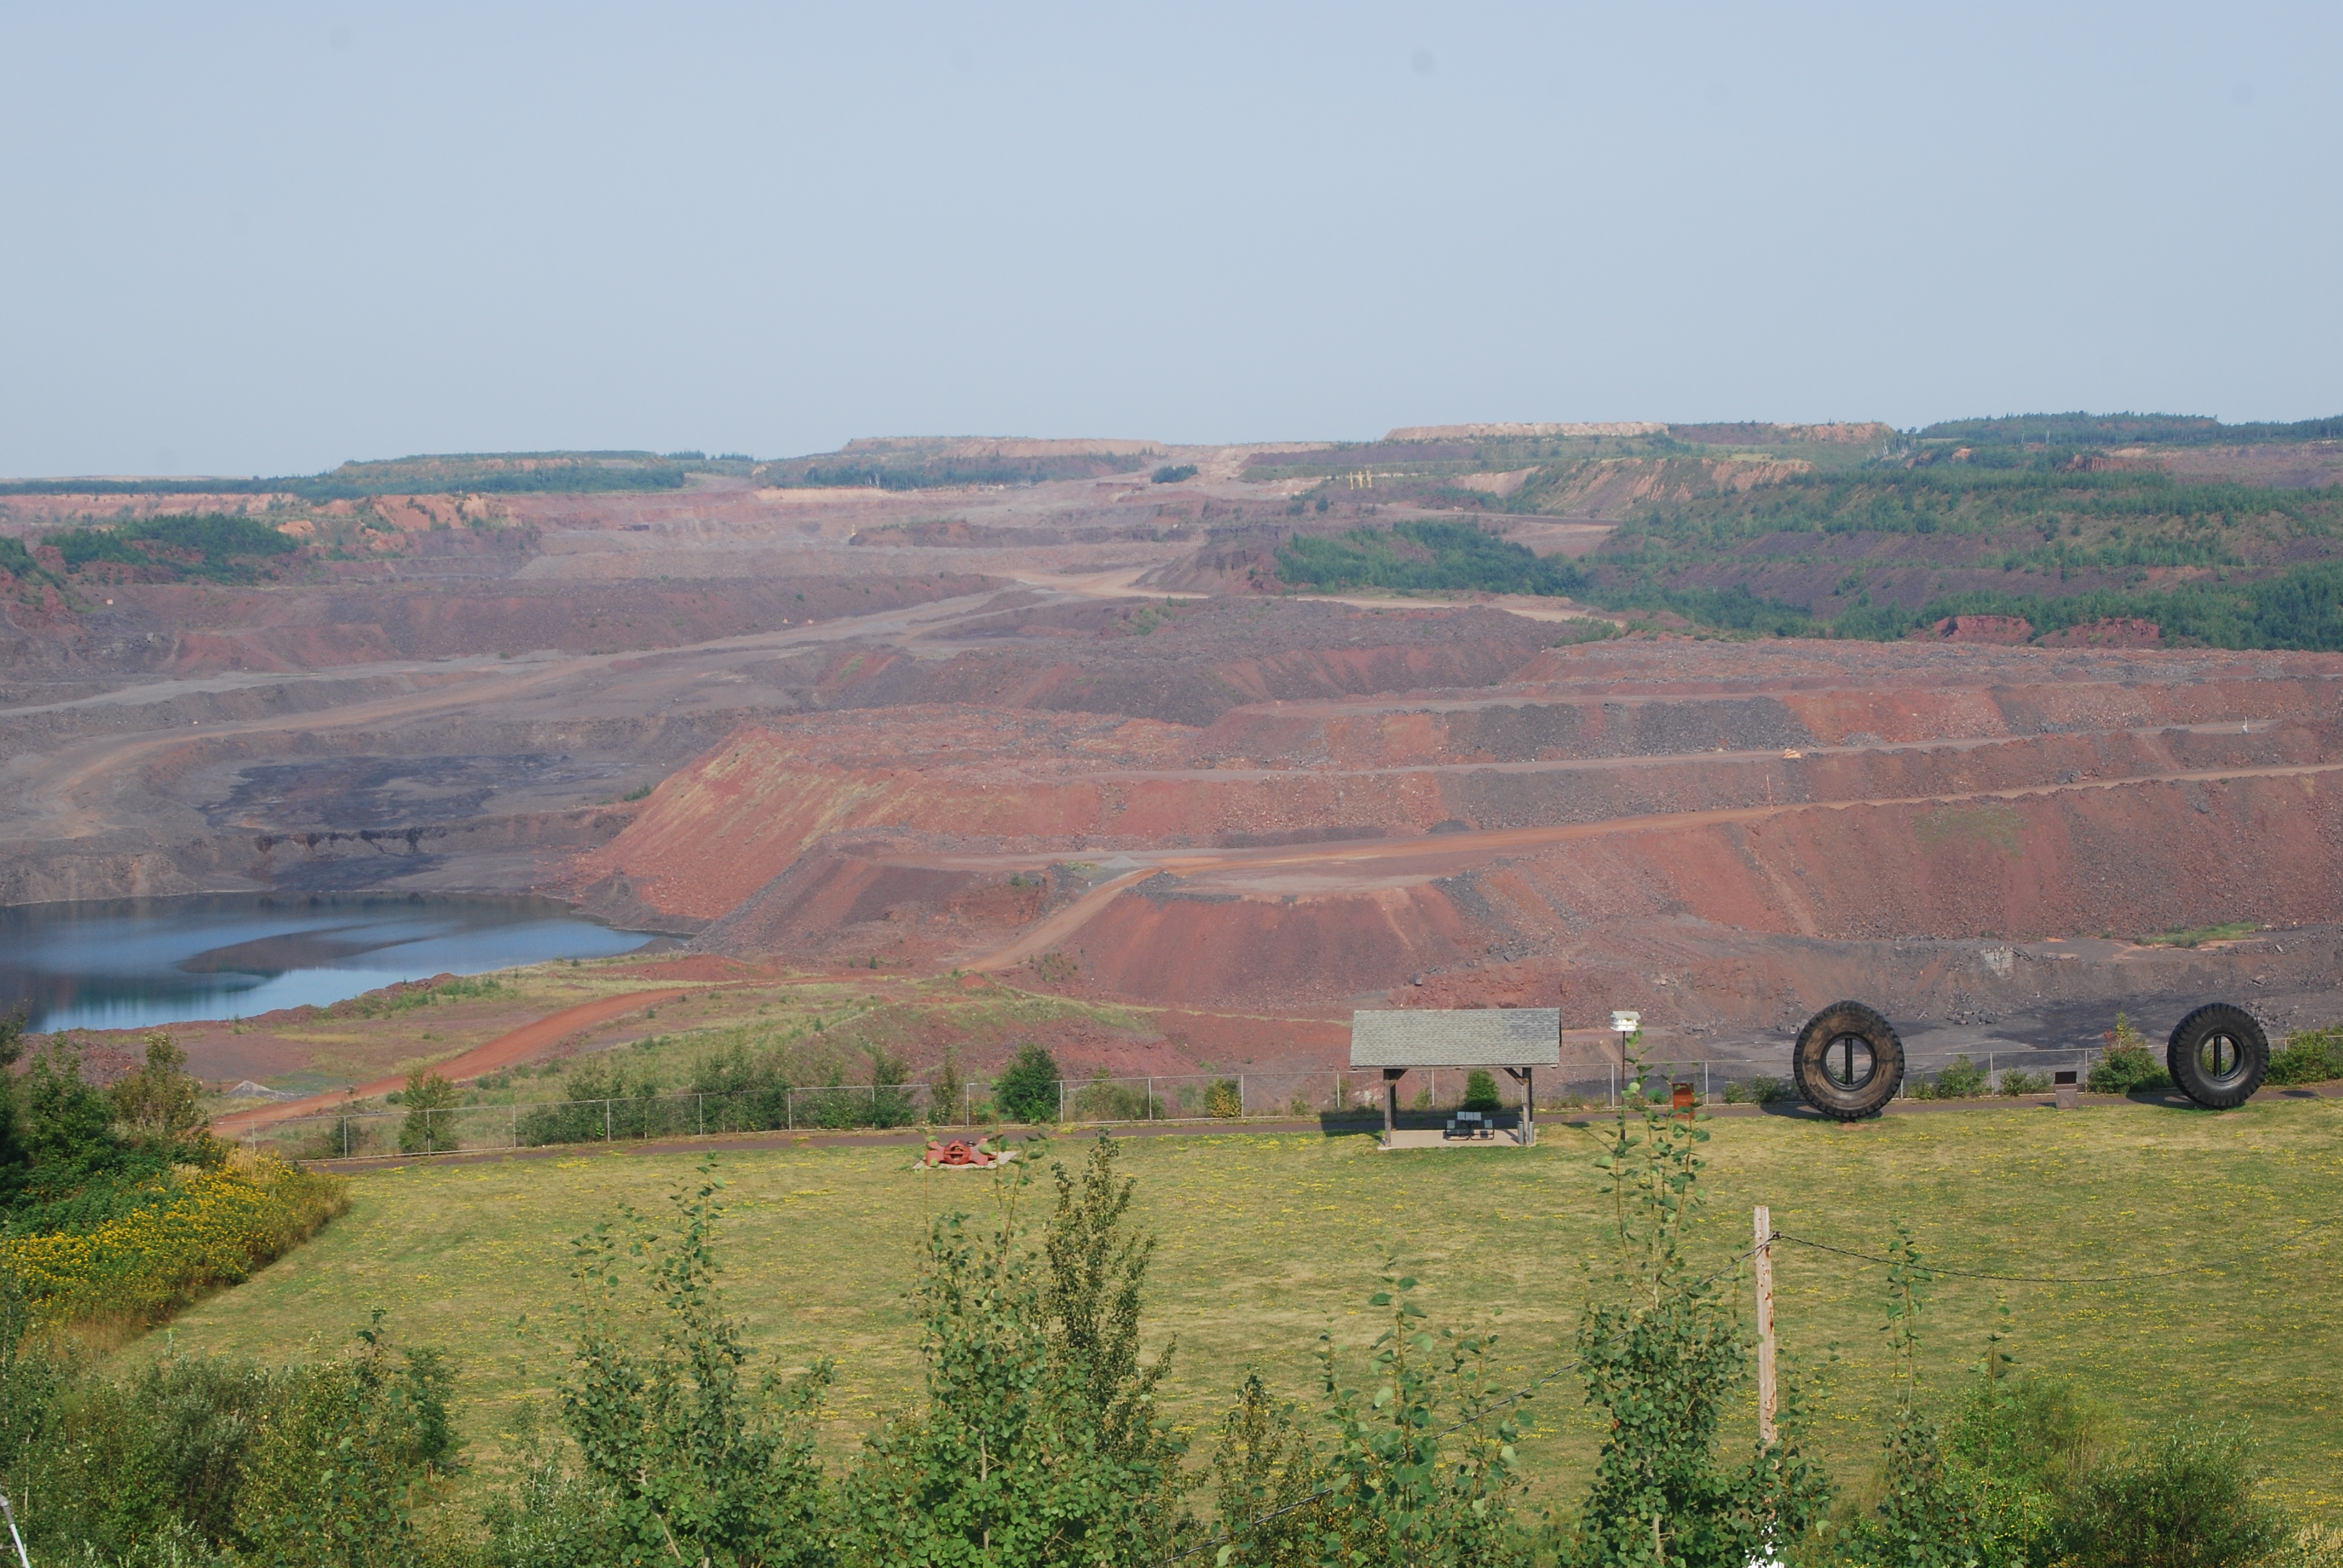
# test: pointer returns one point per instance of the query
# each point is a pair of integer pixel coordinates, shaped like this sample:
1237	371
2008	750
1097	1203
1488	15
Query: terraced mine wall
1849	812
955	731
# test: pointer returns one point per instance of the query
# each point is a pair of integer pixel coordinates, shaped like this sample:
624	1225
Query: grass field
1269	1239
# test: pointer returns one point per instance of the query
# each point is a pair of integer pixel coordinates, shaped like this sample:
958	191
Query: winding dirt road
513	1046
1448	851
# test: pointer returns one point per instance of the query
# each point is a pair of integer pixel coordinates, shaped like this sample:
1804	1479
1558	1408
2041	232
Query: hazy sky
265	239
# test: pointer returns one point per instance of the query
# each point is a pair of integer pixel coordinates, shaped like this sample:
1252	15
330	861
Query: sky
265	239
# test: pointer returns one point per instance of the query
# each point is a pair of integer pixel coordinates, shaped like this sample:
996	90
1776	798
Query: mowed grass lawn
1268	1240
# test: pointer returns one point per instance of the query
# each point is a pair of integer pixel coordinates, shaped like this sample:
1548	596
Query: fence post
968	1104
514	1108
1240	1101
346	1137
789	1110
606	1122
1765	1228
1061	1099
703	1116
426	1131
1704	1083
1149	1114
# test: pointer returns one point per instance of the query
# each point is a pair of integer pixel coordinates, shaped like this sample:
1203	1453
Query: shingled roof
1458	1037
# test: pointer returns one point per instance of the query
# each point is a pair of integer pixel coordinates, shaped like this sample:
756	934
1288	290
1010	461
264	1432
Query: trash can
2070	1092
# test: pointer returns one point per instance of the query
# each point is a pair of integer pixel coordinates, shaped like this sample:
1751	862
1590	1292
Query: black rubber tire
2203	1032
1819	1088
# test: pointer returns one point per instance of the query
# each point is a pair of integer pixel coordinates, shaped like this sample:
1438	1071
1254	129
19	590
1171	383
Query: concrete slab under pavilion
1434	1138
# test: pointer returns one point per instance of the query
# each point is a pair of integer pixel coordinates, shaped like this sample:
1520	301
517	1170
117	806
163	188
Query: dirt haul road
522	1044
1452	851
51	790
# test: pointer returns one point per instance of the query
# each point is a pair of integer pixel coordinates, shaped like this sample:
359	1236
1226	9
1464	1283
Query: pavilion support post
1392	1075
1521	1075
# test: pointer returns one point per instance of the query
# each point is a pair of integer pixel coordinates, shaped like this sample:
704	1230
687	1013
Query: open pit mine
1075	734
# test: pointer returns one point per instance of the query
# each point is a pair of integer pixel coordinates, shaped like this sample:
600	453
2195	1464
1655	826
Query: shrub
1224	1098
1959	1079
1421	1468
422	1132
2017	1080
1265	1467
2041	1430
197	1463
1103	1100
944	1102
212	1229
755	1089
2185	1498
686	1448
2311	1056
1665	1355
156	1103
329	1478
1172	473
1027	1090
1040	1441
2126	1068
2130	1063
1925	1518
891	1094
68	1124
1481	1091
1758	1092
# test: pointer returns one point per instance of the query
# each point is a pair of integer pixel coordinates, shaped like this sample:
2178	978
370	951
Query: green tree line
486	473
2081	429
2300	607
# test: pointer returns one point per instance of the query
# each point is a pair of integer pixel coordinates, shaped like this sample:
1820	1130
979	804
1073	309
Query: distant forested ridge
920	472
2296	607
491	473
2079	429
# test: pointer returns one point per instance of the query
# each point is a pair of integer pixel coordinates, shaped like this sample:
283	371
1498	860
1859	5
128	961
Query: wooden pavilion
1515	1039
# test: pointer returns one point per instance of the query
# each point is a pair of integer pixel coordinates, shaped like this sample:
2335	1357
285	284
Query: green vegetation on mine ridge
1714	562
1766	529
214	547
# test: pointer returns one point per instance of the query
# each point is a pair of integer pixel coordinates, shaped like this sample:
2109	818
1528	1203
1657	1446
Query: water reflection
131	963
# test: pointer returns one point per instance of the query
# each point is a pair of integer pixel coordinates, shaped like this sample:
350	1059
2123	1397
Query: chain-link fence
460	1128
1938	1076
1178	1097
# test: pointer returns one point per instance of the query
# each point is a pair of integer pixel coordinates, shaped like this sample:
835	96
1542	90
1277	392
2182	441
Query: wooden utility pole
1765	1256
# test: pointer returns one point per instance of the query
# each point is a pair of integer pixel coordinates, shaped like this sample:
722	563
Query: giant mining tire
2218	1056
1849	1061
